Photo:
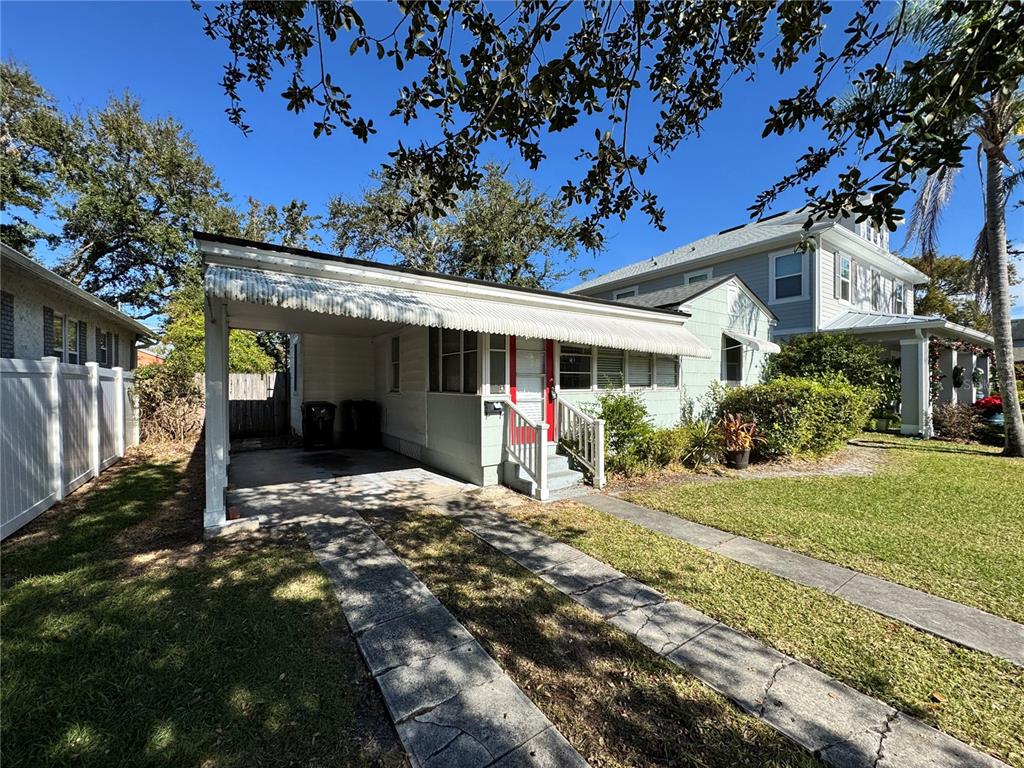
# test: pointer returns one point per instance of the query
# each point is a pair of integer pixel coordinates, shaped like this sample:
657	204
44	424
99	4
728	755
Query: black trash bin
360	424
317	424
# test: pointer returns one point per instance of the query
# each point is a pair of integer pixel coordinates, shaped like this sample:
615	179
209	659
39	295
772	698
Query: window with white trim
57	342
788	276
396	370
844	278
456	353
732	361
611	369
497	357
899	304
71	340
639	371
574	367
666	371
625	293
698	277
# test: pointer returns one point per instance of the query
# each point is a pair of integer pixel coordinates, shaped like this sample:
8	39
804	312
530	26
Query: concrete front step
560	475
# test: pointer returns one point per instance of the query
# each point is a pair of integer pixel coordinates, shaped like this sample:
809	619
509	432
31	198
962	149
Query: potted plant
884	415
739	437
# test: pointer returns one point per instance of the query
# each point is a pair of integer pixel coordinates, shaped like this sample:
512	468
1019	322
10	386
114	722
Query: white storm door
530	377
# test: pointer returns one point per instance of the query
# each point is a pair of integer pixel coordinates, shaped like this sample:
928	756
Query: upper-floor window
625	293
899	304
787	278
844	278
874	234
700	276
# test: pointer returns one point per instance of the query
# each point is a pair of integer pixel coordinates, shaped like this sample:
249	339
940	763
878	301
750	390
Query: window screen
640	370
666	371
611	371
574	367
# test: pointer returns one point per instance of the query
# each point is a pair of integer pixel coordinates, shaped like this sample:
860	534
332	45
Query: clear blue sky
84	52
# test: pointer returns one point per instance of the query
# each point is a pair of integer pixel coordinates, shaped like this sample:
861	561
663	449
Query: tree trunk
999	285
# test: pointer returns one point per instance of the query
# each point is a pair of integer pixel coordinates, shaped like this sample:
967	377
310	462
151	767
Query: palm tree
998	123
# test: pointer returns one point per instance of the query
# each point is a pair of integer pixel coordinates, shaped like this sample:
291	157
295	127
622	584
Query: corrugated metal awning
761	345
587	323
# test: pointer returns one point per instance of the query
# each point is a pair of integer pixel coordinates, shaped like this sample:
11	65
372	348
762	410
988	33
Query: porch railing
526	445
582	436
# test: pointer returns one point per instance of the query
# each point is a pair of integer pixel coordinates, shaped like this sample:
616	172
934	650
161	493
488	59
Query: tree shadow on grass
616	701
130	641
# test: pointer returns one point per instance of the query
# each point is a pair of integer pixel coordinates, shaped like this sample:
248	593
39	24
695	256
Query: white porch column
915	388
216	412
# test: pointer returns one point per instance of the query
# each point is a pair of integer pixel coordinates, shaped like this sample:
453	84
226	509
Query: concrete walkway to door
961	624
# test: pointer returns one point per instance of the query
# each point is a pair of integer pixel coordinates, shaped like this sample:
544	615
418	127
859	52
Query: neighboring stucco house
44	315
483	381
836	276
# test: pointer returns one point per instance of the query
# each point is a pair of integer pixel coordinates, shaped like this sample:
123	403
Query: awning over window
560	318
761	345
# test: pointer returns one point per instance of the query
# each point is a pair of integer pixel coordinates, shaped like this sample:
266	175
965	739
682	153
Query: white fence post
542	461
55	429
599	478
119	437
94	417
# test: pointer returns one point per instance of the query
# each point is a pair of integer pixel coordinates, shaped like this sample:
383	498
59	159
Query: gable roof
23	263
683	294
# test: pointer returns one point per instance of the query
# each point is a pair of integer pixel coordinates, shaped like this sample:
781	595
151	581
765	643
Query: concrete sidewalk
958	623
832	721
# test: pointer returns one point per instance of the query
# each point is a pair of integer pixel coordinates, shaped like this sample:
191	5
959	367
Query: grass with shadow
941	517
127	640
975	697
616	701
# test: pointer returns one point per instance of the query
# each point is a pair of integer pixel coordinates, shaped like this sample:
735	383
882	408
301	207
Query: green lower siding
664	405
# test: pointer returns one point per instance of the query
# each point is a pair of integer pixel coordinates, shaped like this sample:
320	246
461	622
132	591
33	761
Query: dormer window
874	234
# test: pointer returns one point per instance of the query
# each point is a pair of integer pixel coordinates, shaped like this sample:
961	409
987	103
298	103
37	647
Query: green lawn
617	702
973	696
128	641
941	517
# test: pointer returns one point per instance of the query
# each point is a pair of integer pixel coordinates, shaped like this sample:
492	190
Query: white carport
265	287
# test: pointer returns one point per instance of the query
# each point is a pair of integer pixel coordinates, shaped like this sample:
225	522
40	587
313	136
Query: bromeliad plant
738	435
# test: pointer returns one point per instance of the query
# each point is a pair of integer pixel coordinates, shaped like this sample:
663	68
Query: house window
732	361
666	371
458	361
698	277
497	356
434	352
611	369
626	293
640	372
57	342
396	371
876	290
899	305
71	335
103	348
844	279
574	367
116	346
788	276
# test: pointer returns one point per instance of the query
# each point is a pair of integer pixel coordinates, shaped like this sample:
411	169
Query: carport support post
216	412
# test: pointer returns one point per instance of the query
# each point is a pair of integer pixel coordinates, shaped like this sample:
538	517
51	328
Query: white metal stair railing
582	436
525	443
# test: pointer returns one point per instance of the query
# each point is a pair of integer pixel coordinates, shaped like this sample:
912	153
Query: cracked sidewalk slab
451	702
831	720
955	622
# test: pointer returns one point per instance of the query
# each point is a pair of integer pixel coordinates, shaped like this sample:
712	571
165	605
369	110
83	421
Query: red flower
990	404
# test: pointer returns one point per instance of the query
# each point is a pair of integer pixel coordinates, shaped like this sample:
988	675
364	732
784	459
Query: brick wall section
6	324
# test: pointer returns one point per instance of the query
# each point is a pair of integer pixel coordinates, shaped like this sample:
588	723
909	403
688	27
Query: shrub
171	403
955	421
799	415
667	446
705	444
627	431
823	355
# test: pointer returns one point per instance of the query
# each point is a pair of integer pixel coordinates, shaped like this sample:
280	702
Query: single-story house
486	382
44	315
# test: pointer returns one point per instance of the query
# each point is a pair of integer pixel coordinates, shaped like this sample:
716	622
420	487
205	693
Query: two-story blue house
837	276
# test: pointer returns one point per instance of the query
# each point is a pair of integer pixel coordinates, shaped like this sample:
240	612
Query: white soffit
591	324
761	345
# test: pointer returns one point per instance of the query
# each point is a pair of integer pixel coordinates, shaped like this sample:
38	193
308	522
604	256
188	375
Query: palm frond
926	213
977	272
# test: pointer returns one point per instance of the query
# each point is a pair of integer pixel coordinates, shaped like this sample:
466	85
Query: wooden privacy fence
62	425
258	404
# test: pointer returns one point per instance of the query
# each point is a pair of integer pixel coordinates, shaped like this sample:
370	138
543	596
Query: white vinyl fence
62	425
